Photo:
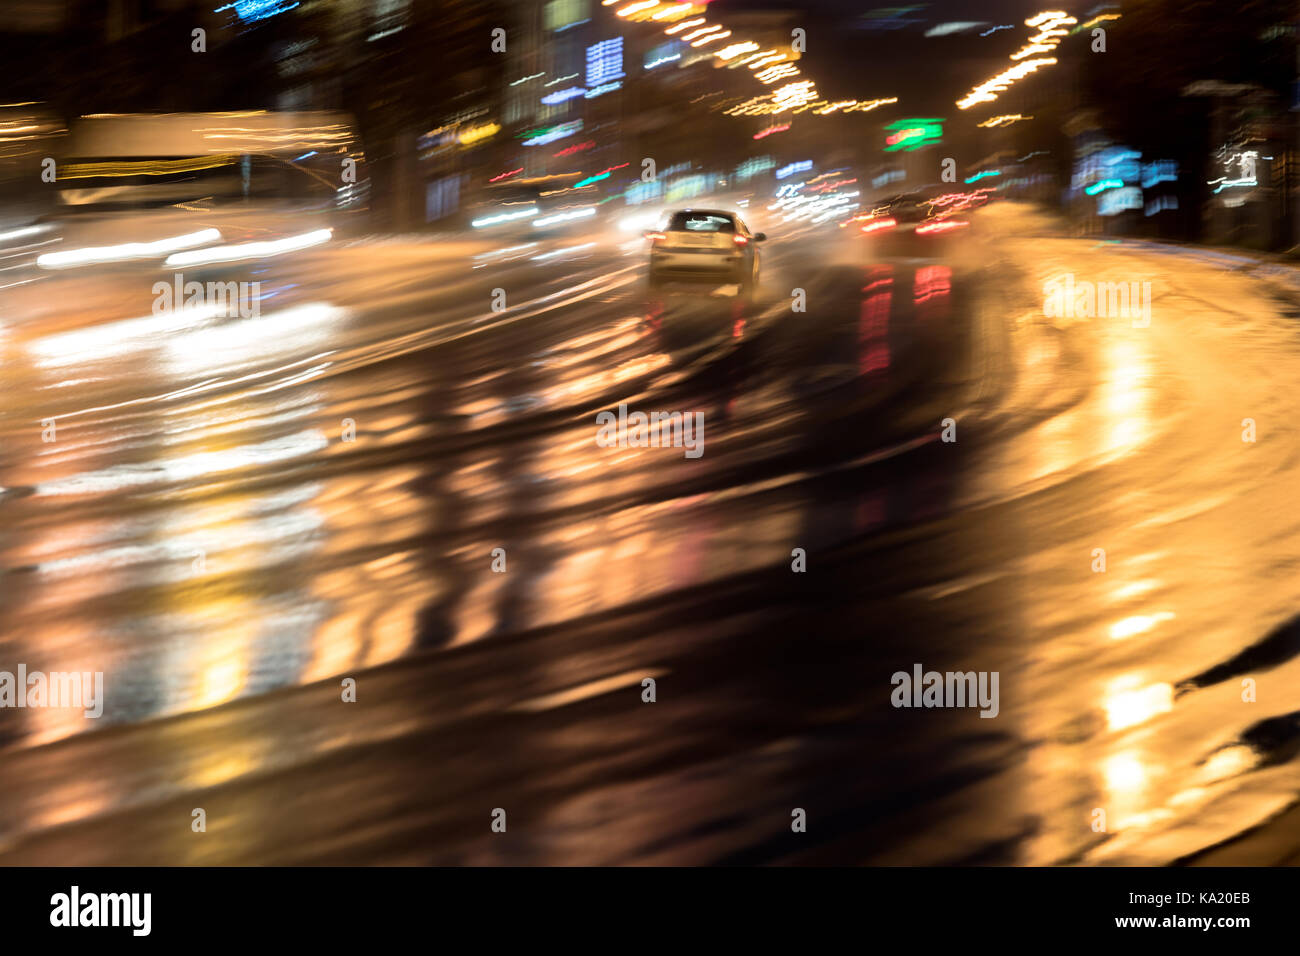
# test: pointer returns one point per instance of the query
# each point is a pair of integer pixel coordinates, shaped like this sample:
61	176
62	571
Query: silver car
705	244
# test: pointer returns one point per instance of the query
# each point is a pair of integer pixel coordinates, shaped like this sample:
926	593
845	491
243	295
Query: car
909	208
705	244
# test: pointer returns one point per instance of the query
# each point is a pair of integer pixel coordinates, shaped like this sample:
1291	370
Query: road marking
585	691
938	592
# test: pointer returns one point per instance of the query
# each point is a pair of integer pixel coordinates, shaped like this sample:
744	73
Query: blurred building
1251	176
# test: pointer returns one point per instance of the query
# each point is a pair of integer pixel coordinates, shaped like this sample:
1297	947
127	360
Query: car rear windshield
701	222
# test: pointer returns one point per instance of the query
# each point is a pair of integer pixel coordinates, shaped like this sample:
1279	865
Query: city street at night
372	559
539	435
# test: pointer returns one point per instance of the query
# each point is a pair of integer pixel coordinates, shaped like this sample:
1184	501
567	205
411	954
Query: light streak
944	225
563	217
1049	24
93	255
1005	119
684	25
250	250
1103	185
709	39
504	217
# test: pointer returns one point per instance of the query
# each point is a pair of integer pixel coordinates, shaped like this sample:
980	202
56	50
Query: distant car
897	224
909	208
705	244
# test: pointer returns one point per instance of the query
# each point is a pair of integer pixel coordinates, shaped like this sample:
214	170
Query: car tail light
943	225
655	236
876	225
740	240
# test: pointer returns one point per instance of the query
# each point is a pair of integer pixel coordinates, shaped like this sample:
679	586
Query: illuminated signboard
909	134
1103	185
552	99
540	137
792	168
1114	201
1161	171
251	11
604	63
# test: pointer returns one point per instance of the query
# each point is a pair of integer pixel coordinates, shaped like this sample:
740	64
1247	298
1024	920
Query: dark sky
926	73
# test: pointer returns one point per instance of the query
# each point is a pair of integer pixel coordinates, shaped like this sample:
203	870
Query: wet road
237	514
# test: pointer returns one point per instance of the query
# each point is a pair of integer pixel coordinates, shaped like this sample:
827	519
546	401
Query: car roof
707	212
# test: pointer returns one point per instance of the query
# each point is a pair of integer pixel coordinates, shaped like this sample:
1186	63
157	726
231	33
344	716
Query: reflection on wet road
236	514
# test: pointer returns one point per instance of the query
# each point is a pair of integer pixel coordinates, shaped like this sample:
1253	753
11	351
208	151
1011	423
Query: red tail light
655	236
876	225
943	225
739	240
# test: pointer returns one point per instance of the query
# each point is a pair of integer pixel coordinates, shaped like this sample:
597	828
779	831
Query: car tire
749	286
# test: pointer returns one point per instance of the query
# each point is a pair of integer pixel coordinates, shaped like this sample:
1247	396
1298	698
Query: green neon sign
909	134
